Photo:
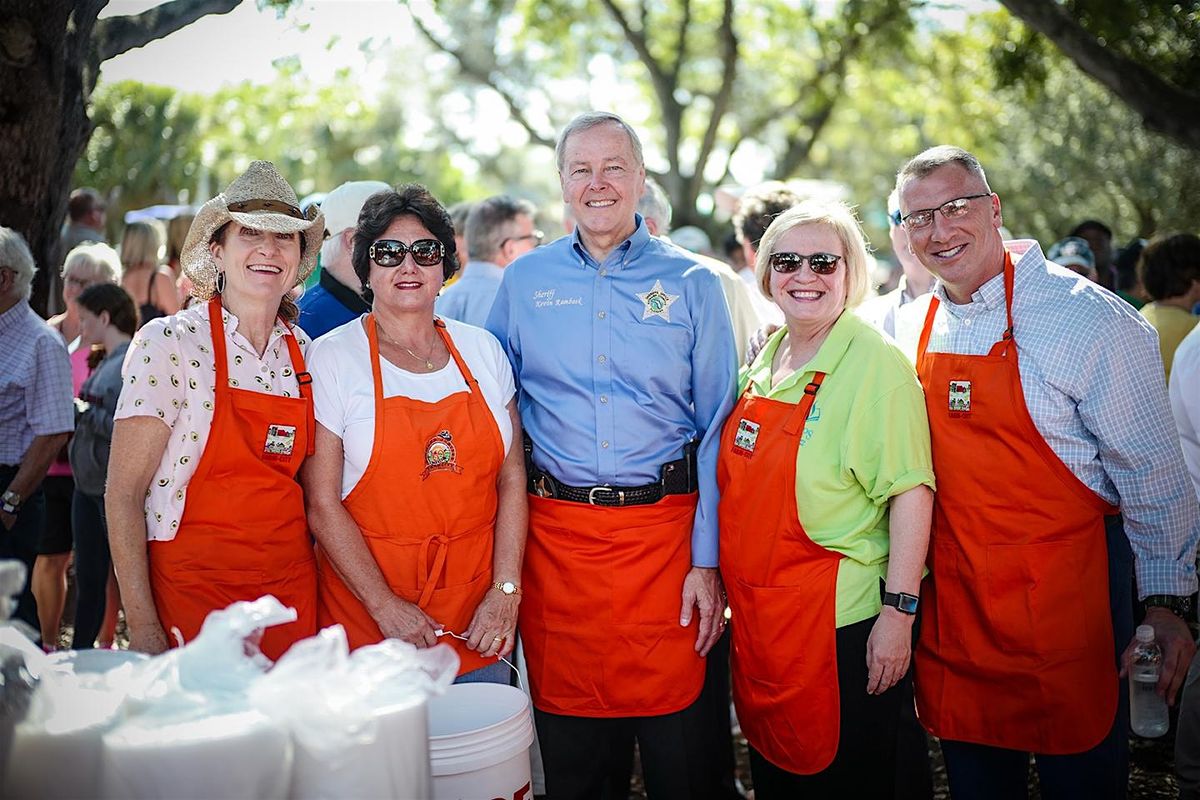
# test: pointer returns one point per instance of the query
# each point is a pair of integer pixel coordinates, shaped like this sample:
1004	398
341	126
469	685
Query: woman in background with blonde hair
151	285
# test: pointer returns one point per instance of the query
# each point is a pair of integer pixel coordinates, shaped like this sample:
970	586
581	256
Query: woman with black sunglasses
826	499
416	492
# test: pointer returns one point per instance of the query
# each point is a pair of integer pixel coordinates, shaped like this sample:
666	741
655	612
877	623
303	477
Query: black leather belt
676	477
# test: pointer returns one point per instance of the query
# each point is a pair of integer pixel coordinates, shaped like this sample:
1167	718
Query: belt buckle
620	493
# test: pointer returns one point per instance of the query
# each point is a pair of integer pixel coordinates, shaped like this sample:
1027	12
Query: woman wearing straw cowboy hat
416	492
212	424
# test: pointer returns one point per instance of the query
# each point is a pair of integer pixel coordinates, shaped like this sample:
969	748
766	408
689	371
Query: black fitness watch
903	601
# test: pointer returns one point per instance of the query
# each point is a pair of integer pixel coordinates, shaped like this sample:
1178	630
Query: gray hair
15	255
923	164
655	205
588	120
98	258
493	220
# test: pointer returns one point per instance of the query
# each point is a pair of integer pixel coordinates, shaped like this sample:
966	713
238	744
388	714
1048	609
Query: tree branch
729	60
484	76
117	35
685	22
1162	105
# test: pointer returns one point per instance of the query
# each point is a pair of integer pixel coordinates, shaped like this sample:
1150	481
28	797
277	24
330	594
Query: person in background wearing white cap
498	230
334	301
1074	253
213	422
915	282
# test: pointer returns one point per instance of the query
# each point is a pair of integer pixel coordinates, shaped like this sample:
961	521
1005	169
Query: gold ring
497	638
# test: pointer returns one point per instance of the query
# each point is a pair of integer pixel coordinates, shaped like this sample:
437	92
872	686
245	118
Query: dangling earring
221	282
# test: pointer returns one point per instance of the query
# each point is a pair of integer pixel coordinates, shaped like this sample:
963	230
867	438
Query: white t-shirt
344	388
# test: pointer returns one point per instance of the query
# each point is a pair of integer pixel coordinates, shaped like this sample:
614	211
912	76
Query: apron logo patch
440	455
960	397
656	302
280	441
746	437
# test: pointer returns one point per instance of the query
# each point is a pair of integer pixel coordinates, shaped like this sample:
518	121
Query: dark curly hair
1169	265
382	209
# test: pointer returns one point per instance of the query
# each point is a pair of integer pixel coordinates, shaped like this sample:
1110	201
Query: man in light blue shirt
498	230
624	354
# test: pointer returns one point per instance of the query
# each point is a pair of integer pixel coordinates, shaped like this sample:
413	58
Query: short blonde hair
835	215
142	243
177	231
97	257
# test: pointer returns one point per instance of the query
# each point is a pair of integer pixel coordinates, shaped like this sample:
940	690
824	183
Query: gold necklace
428	360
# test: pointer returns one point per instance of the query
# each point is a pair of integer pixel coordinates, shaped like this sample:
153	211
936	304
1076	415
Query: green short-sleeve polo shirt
866	440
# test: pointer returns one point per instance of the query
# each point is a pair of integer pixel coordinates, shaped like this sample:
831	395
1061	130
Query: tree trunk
43	122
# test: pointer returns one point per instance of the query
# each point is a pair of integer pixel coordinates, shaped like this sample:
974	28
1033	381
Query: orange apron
600	611
1016	645
243	532
782	589
426	506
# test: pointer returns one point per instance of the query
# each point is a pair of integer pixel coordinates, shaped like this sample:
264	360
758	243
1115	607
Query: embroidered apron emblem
440	455
280	441
657	303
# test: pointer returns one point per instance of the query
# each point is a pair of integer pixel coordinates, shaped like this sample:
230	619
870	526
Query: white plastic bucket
479	737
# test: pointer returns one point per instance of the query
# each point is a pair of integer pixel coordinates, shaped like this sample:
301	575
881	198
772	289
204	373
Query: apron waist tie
432	573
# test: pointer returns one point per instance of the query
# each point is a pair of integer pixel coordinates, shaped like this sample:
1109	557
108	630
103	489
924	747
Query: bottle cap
1145	633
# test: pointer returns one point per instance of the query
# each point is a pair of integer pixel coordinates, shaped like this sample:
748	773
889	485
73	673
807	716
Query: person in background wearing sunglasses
416	491
1043	440
826	494
498	231
212	424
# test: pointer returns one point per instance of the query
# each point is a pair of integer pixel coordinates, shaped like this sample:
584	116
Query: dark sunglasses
390	252
787	263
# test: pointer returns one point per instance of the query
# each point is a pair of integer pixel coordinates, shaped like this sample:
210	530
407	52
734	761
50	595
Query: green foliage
154	145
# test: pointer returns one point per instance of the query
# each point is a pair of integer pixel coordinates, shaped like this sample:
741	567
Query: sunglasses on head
787	263
391	252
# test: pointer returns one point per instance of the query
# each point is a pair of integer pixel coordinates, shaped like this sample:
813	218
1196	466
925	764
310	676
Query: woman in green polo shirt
826	500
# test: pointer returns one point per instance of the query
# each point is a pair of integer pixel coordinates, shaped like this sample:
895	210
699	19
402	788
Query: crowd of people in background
469	414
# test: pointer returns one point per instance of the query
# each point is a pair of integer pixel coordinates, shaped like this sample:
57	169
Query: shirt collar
630	248
830	354
230	320
14	315
349	298
1027	259
477	270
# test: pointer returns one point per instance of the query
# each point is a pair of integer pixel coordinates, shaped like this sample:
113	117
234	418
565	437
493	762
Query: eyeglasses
79	283
787	263
951	209
537	237
391	253
895	218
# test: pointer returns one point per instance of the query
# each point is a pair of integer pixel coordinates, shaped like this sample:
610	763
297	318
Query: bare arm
497	612
138	445
890	644
166	296
342	542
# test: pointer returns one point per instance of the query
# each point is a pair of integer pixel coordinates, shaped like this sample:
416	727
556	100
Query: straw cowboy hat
261	199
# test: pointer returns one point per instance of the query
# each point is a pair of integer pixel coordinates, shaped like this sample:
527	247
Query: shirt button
602	359
604	445
603	399
602	315
263	368
603	273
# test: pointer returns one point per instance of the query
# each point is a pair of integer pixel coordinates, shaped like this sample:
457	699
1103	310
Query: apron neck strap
216	322
999	348
799	415
305	380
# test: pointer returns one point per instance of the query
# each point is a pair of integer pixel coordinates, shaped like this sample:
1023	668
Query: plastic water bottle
1147	711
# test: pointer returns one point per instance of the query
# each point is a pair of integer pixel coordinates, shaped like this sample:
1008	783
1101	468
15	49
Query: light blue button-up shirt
620	364
469	299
